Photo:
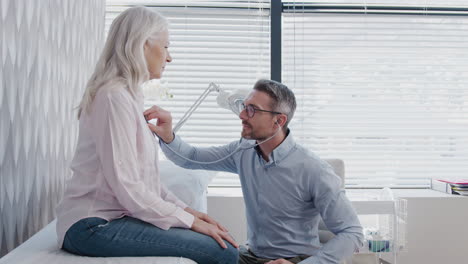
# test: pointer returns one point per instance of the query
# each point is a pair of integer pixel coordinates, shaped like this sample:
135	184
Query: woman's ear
146	50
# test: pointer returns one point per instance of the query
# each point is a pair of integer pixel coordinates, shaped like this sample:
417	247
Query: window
380	84
386	92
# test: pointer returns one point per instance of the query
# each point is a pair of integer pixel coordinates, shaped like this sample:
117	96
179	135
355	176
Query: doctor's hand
213	231
279	261
205	218
163	127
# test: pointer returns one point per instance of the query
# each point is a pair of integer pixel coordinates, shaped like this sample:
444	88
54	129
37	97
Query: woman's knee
230	255
219	255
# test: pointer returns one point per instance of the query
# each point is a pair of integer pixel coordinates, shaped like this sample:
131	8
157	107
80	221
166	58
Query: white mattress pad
42	248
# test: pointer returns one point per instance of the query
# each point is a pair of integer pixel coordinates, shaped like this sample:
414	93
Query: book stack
458	187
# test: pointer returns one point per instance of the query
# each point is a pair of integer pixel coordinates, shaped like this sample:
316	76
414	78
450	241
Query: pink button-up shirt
115	168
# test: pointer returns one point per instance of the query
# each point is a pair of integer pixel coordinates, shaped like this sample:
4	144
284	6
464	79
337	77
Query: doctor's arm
174	147
338	215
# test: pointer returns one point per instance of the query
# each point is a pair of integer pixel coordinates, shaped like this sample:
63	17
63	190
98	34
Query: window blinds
386	93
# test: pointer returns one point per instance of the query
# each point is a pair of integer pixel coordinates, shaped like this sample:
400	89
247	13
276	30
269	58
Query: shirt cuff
170	148
175	143
185	218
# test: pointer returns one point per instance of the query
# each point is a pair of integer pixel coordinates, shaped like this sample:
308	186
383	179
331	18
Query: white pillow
188	185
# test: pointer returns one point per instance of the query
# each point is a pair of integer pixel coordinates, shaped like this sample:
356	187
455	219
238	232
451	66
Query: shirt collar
282	150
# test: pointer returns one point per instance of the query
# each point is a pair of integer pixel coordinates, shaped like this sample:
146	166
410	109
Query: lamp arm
211	87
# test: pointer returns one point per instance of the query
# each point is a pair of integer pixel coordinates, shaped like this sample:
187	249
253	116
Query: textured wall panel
48	51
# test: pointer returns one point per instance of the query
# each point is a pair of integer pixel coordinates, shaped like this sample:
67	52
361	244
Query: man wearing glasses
286	188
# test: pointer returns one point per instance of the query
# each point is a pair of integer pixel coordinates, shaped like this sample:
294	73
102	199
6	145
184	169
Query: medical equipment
239	148
231	101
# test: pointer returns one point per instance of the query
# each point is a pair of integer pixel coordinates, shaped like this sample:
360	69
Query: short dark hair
283	99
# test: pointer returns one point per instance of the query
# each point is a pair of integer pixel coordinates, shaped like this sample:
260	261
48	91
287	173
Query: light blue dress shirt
284	199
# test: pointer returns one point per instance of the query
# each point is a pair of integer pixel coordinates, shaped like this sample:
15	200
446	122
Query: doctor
286	188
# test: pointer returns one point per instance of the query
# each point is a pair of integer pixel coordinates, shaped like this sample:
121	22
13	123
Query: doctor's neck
268	145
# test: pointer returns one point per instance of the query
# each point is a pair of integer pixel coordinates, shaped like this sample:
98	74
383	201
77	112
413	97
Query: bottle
385	223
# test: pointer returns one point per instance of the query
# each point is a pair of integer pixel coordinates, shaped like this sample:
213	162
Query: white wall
436	228
48	49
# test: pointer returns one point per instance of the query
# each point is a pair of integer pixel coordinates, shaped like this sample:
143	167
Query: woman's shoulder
113	96
112	88
113	91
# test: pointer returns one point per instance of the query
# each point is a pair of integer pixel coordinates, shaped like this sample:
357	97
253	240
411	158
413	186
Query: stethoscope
239	148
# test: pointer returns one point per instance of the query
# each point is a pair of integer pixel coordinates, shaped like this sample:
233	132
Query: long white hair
123	59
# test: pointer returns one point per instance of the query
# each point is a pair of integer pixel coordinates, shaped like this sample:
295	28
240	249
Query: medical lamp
228	100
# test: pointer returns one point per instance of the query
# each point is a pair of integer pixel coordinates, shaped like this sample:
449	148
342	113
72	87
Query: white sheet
42	248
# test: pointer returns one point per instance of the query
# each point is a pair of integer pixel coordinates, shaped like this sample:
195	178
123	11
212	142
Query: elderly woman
115	205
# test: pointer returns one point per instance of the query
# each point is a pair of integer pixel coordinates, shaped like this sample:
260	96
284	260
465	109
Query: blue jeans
129	237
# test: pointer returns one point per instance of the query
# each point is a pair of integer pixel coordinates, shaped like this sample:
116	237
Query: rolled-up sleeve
115	127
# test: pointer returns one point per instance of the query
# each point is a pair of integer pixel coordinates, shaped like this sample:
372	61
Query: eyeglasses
250	109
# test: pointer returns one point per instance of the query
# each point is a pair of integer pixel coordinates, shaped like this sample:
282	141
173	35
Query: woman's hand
213	231
205	218
163	127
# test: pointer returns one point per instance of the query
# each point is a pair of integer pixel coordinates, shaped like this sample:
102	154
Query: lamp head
232	100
